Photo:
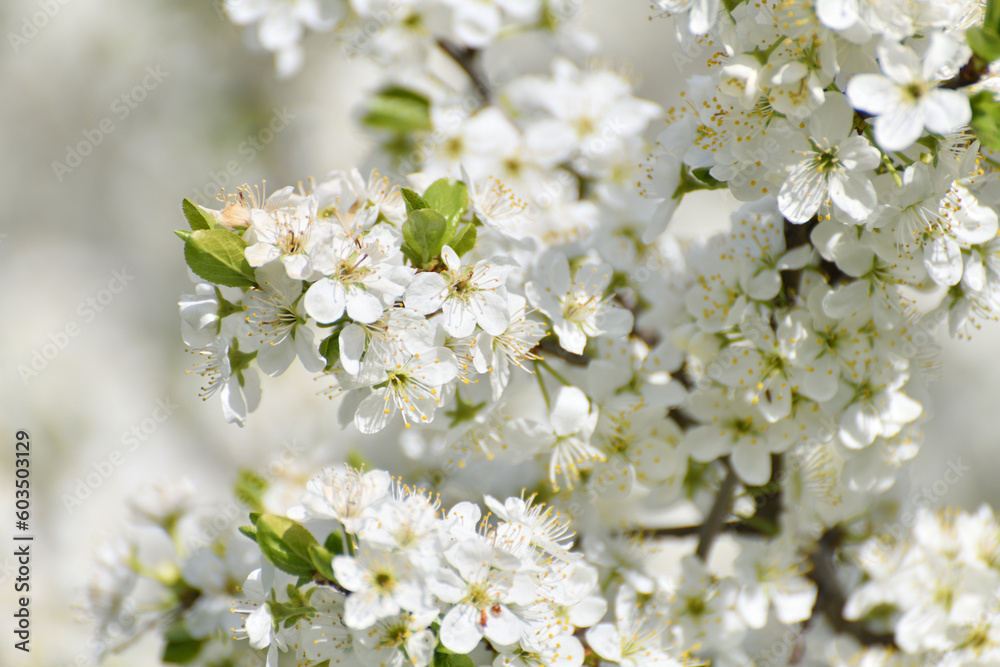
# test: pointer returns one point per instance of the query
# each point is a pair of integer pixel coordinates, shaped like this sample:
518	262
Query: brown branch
468	60
716	518
970	74
739	527
830	599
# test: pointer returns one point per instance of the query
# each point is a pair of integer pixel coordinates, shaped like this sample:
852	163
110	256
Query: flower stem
541	385
544	364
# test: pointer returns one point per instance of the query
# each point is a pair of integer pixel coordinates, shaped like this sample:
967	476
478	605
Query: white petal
459	319
460	629
859	426
946	110
569	411
504	628
374	412
260	254
943	261
274	359
352	347
872	93
308	351
363	306
325	300
752	605
426	293
898	129
571	338
491	313
794	600
854	195
605	641
752	462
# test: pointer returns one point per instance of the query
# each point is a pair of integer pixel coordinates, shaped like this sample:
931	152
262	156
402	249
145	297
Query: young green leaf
196	217
181	648
464	241
398	109
329	347
217	255
414	202
449	659
448	197
334	544
986	118
425	233
322	559
285	544
984	42
250	489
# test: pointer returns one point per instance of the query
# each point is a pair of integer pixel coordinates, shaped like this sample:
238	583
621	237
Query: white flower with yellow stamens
413	388
283	235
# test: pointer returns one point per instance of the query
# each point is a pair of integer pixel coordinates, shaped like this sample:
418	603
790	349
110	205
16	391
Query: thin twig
830	599
467	59
551	347
716	518
740	527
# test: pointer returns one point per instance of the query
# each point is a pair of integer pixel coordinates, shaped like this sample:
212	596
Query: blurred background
165	98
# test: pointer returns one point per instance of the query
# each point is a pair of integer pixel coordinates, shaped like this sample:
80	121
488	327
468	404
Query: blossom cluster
411	580
399	33
333	258
937	588
768	380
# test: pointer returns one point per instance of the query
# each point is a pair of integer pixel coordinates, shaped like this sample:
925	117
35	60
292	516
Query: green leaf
196	217
398	109
182	234
329	347
323	560
334	543
991	18
449	659
181	647
449	197
986	119
249	531
984	42
217	256
250	489
425	233
285	544
414	202
289	613
411	255
464	240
